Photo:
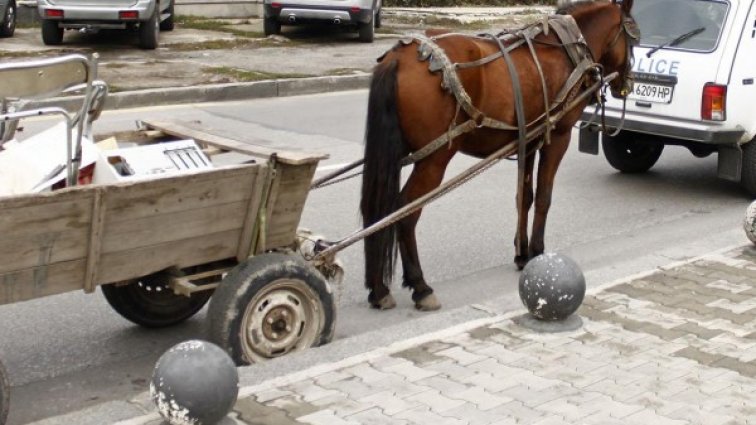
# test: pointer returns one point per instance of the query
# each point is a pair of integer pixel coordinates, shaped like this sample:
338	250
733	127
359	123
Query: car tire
271	26
631	153
52	34
748	173
149	31
8	23
367	31
169	23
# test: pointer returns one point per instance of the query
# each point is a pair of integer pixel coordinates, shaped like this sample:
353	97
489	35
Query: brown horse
410	106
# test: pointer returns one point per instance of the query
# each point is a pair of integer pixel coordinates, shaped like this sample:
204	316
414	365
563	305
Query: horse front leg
549	159
523	209
425	177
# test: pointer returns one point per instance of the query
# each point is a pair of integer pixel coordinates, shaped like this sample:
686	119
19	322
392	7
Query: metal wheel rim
10	24
150	291
283	317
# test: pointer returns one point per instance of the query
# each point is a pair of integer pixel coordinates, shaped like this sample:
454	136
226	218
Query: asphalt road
66	352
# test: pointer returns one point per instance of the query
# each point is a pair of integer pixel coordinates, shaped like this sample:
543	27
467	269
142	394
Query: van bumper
694	132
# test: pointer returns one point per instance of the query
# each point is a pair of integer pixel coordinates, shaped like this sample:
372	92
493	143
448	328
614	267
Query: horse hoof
428	303
520	262
385	303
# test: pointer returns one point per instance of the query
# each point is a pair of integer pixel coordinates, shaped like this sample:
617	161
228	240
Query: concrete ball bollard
552	287
194	383
749	222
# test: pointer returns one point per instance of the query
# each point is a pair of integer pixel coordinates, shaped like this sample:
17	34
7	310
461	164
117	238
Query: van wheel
367	31
52	34
149	31
169	23
630	152
271	26
748	174
8	22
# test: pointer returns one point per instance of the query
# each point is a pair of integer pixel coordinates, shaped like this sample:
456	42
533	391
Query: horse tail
381	178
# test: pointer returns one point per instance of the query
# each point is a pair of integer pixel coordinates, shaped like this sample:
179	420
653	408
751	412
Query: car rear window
662	21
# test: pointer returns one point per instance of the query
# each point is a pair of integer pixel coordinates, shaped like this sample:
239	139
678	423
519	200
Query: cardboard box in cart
149	161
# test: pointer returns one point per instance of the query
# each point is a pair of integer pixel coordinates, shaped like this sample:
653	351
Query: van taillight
713	102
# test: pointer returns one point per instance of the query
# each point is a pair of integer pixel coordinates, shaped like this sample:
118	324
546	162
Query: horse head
618	53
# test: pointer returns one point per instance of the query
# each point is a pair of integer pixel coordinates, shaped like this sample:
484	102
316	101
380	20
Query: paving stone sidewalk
673	346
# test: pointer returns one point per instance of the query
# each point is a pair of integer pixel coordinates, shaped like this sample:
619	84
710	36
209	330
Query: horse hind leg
521	236
425	177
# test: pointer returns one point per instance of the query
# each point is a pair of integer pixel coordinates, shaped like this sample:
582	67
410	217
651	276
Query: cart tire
270	305
630	152
149	302
4	395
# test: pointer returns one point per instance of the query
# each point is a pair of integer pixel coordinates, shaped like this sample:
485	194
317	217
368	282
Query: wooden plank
34	216
44	249
293	186
161	228
137	262
129	201
253	209
188	131
95	240
36	282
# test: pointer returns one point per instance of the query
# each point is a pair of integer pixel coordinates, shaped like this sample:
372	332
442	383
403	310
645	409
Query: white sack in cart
35	164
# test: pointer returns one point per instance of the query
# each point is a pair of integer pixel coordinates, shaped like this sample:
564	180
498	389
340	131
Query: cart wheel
4	395
270	305
150	302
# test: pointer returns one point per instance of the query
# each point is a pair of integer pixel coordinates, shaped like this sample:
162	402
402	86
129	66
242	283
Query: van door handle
643	104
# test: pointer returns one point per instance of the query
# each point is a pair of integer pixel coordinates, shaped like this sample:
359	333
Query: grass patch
211	45
245	75
204	24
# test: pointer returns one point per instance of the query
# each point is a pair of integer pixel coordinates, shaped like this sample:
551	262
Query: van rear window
693	25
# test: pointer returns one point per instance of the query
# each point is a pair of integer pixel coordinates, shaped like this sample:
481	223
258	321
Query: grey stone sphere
552	286
194	383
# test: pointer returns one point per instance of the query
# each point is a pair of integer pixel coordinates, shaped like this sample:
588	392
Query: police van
695	86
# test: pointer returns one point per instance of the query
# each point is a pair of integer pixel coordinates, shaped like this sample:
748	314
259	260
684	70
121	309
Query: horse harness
571	40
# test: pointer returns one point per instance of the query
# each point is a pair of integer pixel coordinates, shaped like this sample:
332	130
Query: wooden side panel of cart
80	237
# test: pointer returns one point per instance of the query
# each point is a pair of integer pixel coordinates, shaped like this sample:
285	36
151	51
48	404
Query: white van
695	86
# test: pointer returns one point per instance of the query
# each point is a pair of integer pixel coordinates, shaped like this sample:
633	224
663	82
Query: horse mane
570	7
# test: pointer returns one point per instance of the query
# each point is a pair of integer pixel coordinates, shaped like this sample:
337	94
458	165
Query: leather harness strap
571	40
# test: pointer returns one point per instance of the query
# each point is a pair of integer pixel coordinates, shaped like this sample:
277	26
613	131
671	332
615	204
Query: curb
220	92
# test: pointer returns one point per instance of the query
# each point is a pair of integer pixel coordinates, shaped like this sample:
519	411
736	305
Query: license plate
647	92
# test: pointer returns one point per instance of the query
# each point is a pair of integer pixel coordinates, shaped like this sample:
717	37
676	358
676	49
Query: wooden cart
161	247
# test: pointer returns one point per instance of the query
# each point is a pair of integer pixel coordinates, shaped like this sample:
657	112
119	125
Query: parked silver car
148	17
7	18
363	15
